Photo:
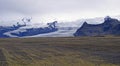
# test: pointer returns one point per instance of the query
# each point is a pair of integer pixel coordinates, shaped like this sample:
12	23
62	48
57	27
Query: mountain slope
110	26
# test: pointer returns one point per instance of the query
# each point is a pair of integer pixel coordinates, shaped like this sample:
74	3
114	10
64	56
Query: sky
60	10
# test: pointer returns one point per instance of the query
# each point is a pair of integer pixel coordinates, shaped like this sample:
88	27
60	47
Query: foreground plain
66	51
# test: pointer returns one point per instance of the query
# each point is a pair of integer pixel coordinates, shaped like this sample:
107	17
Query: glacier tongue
59	33
64	30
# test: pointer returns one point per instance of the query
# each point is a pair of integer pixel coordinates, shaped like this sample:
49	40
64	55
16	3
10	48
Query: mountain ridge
110	26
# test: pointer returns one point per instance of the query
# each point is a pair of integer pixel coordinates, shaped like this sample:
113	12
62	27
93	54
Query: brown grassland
65	51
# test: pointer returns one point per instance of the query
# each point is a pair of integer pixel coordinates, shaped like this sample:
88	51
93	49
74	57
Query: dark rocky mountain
110	26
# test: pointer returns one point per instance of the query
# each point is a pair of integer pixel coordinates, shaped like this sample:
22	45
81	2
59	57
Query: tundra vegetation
72	51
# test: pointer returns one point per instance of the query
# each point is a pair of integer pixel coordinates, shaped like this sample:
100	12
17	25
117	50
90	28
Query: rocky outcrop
110	26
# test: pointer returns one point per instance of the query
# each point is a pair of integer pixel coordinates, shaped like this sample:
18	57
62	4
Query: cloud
46	7
40	6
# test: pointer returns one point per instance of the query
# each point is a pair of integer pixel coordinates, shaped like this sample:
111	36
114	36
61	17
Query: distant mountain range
110	26
83	27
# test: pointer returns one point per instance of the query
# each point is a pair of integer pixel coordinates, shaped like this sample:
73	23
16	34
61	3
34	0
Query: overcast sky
62	10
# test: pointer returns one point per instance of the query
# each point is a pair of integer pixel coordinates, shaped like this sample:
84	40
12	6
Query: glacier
25	28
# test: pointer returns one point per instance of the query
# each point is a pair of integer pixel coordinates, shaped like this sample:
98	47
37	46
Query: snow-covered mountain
25	28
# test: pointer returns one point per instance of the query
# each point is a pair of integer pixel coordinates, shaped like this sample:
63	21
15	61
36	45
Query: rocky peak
85	23
107	18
